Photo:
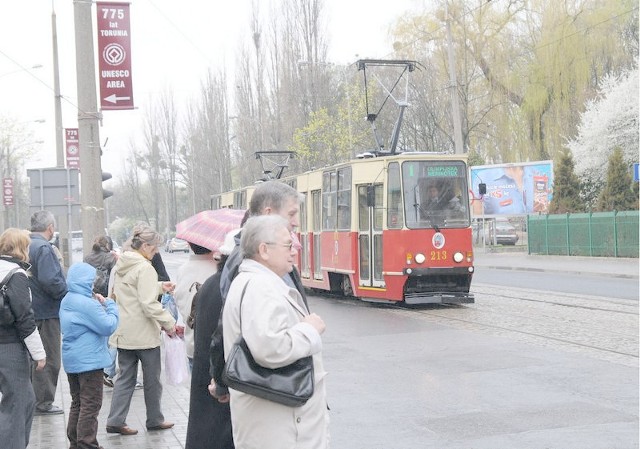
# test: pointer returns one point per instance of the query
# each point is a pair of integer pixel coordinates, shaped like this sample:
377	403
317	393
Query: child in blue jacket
86	321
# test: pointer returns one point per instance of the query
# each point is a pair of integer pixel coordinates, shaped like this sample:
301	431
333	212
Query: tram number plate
438	255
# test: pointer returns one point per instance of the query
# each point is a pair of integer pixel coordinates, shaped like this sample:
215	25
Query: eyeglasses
286	245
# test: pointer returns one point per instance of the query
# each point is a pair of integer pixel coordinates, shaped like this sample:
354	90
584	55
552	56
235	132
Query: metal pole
57	96
453	81
88	121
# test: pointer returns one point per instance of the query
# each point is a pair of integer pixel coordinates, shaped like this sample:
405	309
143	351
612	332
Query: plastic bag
176	367
169	303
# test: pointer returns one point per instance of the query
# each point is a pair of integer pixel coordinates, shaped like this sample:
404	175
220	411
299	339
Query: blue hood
80	278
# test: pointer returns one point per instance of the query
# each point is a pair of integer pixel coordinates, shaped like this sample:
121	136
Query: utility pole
88	121
56	89
63	222
453	81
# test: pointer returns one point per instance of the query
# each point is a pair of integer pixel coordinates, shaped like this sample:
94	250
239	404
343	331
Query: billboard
512	189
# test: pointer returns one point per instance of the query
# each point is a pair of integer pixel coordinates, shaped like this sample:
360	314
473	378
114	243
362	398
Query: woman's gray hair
273	194
260	229
41	220
143	233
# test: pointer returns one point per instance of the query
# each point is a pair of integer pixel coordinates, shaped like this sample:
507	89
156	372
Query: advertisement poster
513	189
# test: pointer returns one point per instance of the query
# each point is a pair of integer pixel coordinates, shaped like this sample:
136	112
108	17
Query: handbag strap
242	297
3	284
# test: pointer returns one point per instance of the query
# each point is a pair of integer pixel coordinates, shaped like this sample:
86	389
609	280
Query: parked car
176	244
506	233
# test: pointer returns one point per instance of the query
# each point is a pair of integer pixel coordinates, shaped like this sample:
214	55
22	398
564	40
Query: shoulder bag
6	315
290	385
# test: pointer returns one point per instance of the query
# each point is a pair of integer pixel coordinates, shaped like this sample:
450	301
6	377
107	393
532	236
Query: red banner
7	191
73	147
114	55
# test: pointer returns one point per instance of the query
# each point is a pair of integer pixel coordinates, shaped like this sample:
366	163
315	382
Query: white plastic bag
176	365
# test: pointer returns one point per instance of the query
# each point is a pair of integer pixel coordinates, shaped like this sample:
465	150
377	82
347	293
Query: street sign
636	177
54	189
7	191
73	147
114	55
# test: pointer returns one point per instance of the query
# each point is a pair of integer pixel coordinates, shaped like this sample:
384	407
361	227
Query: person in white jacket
197	269
278	330
19	341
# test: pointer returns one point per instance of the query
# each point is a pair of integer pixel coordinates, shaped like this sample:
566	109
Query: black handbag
6	315
290	385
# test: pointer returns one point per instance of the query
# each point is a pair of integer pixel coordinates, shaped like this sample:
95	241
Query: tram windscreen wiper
420	211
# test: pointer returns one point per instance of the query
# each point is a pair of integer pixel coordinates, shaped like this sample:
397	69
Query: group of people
249	288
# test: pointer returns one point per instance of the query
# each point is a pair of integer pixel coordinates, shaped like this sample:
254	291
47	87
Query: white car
176	244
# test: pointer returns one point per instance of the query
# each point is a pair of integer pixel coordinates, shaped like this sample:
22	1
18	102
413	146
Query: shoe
123	430
53	410
108	381
162	426
138	385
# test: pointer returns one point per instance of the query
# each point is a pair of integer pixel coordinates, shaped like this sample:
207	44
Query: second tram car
384	229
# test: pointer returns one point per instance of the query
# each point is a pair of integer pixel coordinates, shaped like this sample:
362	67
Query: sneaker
108	381
52	410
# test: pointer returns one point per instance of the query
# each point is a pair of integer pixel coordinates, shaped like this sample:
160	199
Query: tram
384	229
387	226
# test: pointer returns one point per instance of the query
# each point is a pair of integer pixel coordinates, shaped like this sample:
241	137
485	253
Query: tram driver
439	202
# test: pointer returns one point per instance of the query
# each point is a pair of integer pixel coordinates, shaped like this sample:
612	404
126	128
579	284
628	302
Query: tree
566	187
610	121
617	193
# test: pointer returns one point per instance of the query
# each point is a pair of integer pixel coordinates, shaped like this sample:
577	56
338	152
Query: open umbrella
209	227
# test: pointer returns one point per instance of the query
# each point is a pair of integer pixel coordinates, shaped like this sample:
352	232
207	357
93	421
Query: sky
173	45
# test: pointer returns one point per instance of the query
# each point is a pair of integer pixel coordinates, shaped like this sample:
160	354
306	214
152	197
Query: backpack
6	315
101	282
191	319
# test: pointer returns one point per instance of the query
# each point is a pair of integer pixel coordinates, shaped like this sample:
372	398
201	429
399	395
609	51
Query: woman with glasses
19	341
136	289
278	329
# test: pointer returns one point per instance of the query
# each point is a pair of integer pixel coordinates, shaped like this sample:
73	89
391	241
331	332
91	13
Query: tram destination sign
114	56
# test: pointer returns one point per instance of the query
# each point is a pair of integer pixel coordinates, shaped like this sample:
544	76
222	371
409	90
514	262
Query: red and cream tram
384	229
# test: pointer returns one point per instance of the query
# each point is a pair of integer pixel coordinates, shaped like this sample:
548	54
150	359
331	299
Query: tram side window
395	218
344	199
329	199
303	214
240	200
315	219
215	202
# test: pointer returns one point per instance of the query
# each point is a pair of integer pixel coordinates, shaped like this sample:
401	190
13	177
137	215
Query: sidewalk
49	432
607	266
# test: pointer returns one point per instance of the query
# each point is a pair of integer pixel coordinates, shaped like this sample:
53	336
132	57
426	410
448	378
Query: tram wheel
347	289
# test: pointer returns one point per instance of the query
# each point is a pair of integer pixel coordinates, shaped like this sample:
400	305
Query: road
586	284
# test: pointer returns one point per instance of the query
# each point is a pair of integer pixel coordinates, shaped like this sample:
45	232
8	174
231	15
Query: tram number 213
438	255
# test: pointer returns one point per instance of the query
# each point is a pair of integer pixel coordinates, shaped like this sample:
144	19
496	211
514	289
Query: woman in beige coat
136	289
278	330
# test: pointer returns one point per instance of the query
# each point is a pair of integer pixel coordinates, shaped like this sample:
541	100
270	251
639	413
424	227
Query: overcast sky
173	44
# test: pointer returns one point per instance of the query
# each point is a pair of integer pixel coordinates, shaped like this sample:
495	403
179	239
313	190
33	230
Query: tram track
605	328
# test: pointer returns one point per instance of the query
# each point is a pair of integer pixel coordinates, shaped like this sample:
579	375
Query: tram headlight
458	257
420	258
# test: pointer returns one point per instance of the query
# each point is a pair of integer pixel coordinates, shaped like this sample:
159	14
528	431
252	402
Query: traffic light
106	193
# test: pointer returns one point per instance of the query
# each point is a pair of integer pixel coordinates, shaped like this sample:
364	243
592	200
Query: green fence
601	234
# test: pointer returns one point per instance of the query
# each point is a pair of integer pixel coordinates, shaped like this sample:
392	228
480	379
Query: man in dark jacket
272	197
48	287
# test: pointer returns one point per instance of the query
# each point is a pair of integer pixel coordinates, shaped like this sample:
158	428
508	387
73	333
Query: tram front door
370	235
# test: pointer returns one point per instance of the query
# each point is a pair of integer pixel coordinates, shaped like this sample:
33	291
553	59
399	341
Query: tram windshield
435	194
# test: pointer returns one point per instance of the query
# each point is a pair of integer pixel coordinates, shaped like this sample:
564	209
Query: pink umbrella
209	227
